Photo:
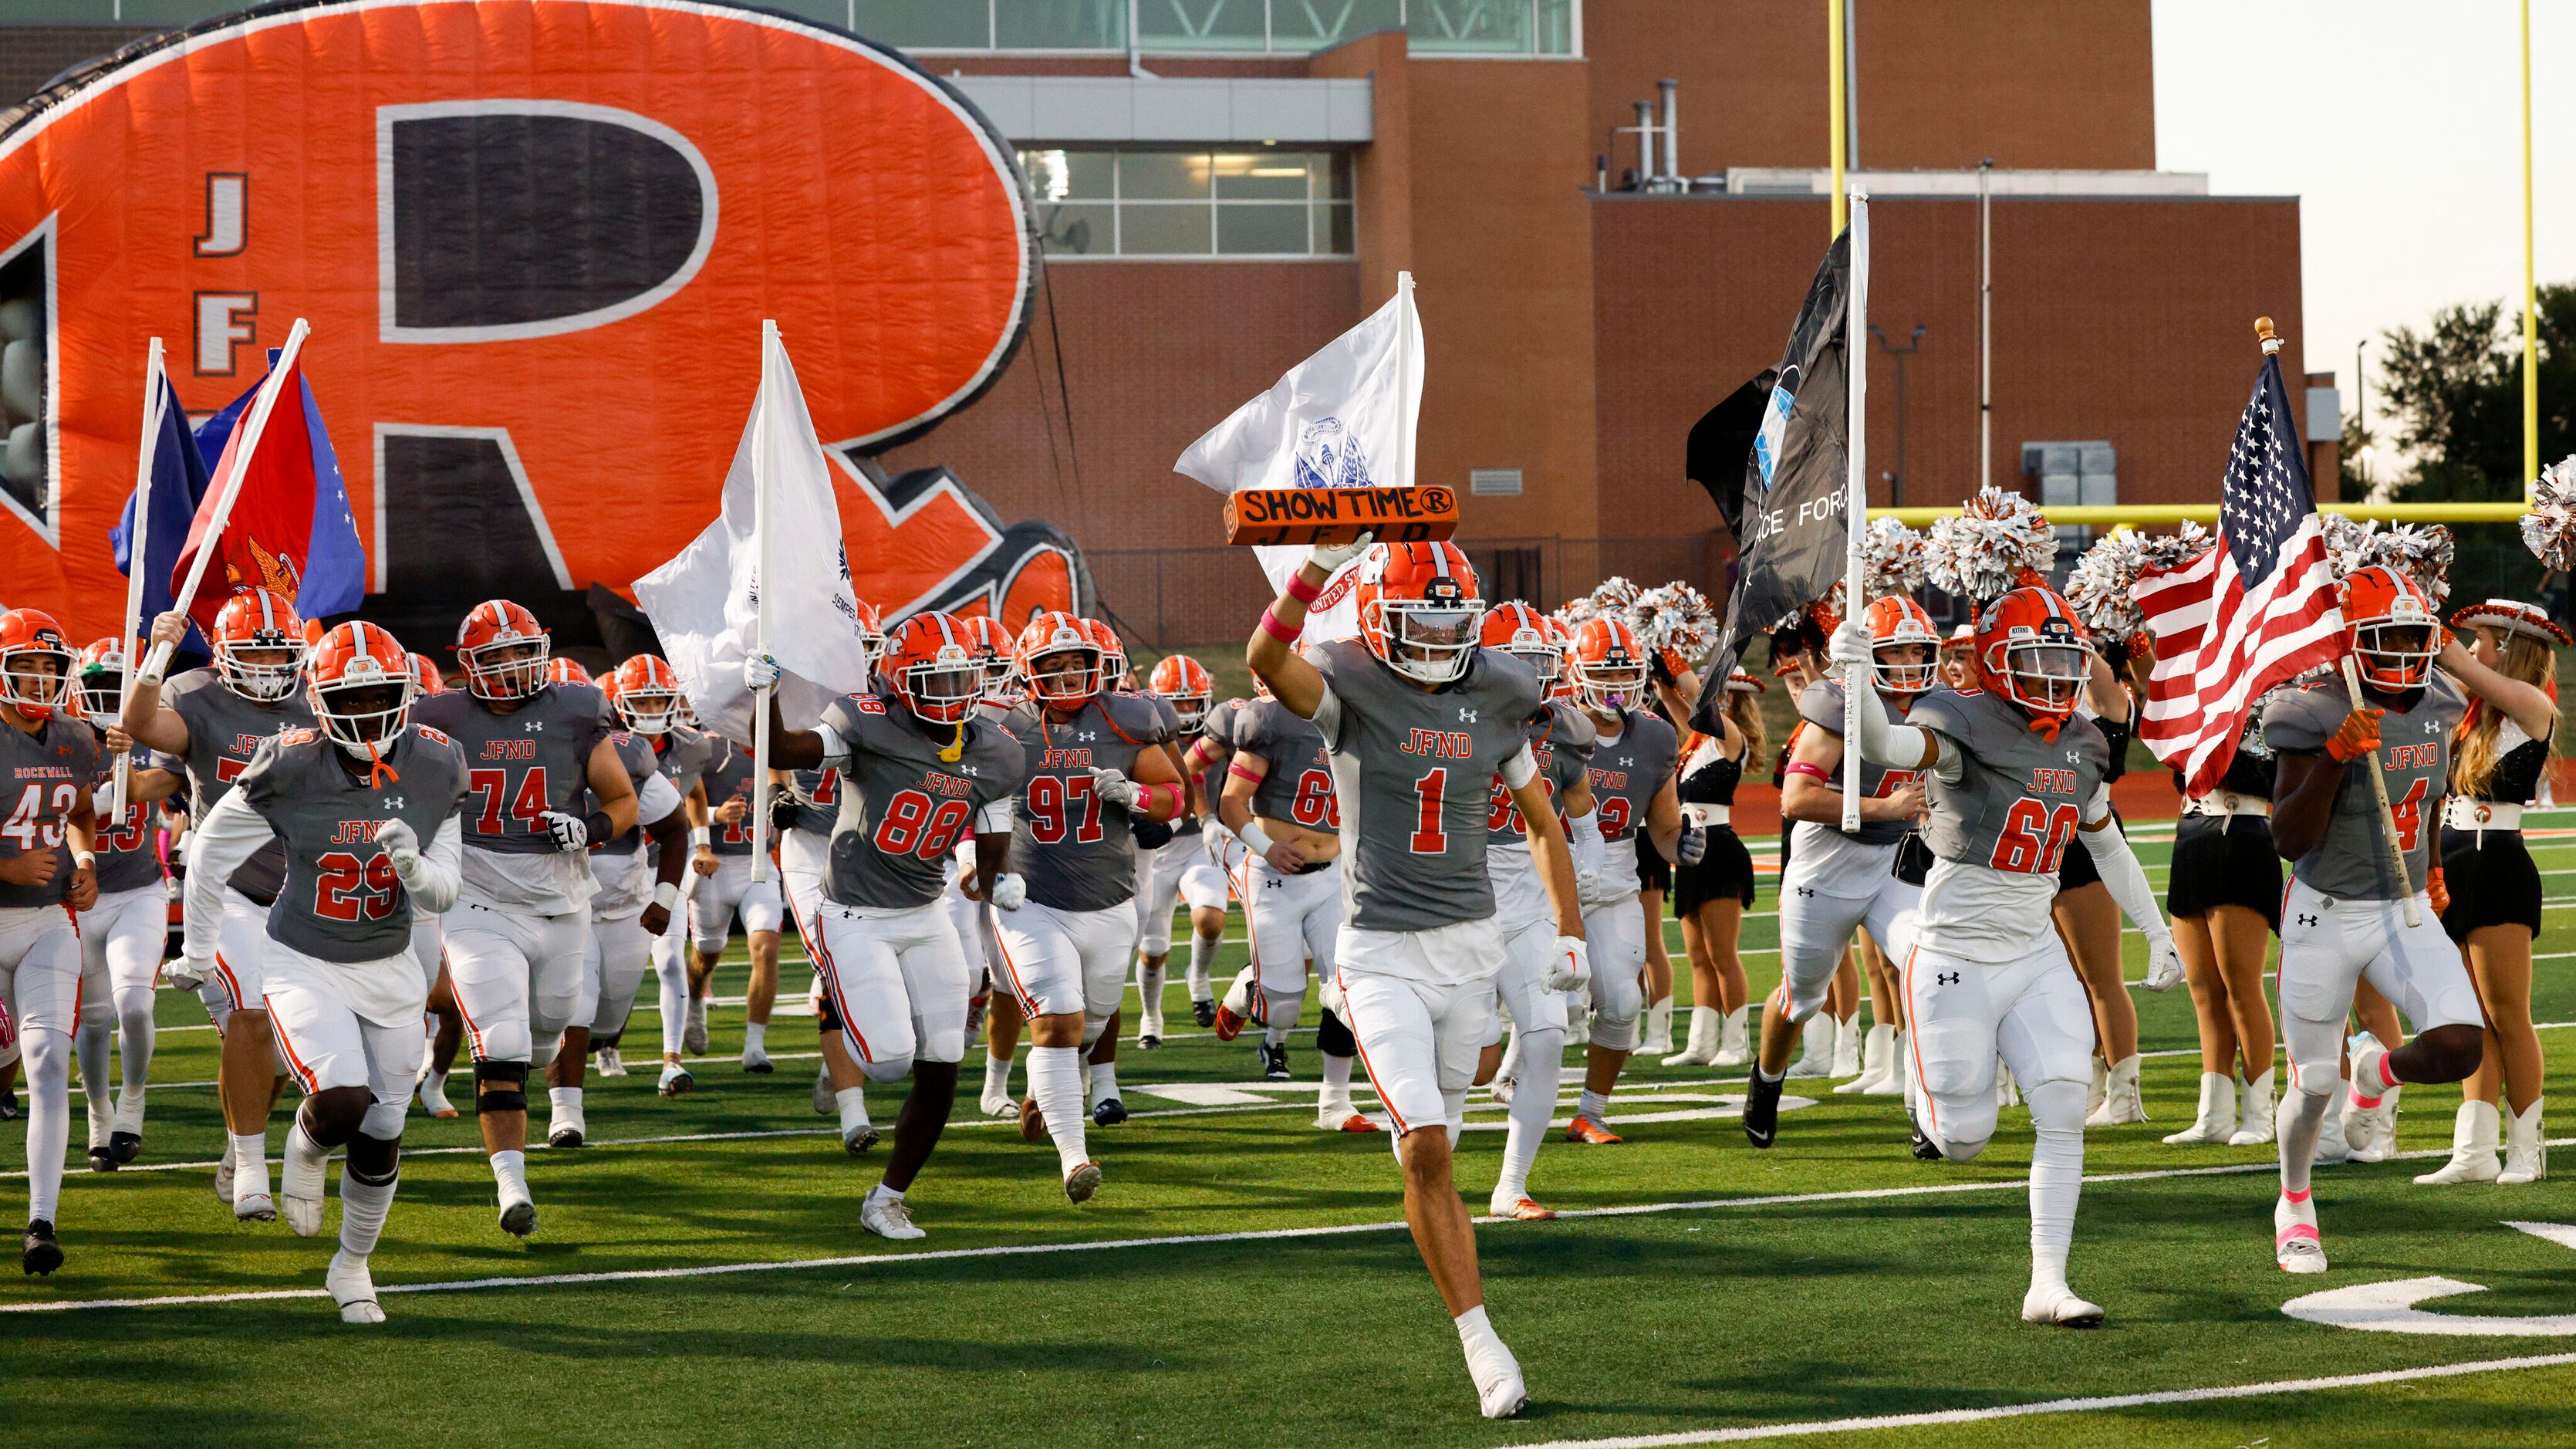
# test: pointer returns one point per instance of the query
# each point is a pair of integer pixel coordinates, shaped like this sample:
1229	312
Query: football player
520	924
916	771
1209	752
649	704
366	810
1420	719
48	872
1181	867
716	896
429	946
123	936
2012	772
994	652
2345	914
1838	881
205	732
1635	794
1094	761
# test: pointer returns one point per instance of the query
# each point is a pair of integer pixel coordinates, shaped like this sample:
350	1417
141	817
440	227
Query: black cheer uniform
2485	864
2228	860
1726	870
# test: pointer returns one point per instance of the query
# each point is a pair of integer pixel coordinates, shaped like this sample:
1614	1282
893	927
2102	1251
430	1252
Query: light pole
1913	344
2361	407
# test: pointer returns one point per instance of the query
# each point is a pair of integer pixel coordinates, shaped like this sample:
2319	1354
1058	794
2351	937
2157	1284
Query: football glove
1691	846
567	831
1330	556
2437	891
2164	965
1010	892
1572	966
188	973
1116	788
2358	736
400	845
759	672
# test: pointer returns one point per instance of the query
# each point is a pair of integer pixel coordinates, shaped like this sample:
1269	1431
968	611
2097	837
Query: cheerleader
1798	656
2224	897
2500	754
1712	896
2088	920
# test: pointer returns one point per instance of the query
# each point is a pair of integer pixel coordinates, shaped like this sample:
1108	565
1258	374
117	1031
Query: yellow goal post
2147	515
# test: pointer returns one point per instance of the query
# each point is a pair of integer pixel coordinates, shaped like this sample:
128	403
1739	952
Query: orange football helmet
503	649
2390	627
1114	673
102	679
1050	639
425	676
361	684
258	645
564	669
1561	634
1894	622
1608	665
647	694
2033	652
929	663
1521	631
36	664
872	634
1185	684
1419	609
990	643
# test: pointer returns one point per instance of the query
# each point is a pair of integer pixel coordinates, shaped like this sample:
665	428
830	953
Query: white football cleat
756	1060
224	1176
825	1100
254	1208
889	1217
2056	1304
611	1062
675	1080
353	1289
1499	1390
2296	1243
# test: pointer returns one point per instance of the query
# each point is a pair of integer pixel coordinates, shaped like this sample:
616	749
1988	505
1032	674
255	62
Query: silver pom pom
2172	550
1676	617
2549	529
2348	542
1892	556
2422	552
2102	587
1998	542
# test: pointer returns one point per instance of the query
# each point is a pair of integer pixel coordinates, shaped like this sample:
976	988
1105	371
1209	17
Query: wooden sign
1339	515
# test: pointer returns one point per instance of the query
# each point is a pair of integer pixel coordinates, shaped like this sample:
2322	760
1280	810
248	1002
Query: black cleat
1148	1042
1925	1149
858	1145
1762	1107
519	1219
9	1105
564	1137
1108	1112
124	1146
1205	1011
1274	1061
43	1255
100	1160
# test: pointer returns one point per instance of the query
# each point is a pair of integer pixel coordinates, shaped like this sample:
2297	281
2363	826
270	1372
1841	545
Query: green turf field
1243	1277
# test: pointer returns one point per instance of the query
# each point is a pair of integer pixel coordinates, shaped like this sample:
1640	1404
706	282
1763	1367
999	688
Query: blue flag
334	574
179	483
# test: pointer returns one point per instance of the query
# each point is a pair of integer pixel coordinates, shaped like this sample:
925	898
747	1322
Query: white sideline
1752	1432
1022	1250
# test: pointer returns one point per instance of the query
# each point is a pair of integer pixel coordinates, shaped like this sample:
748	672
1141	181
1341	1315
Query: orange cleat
1229	1024
1523	1210
1032	1121
1591	1133
1351	1123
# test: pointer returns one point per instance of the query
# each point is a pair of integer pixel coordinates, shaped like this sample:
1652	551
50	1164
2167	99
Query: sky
2398	125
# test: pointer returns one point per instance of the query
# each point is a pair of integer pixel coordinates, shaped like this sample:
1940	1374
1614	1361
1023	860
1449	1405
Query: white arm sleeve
994	819
2127	883
432	880
1883	741
1520	769
229	834
836	751
1583	841
656	800
1328	717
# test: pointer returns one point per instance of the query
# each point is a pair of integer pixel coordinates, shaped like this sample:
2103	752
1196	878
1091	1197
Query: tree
2454	394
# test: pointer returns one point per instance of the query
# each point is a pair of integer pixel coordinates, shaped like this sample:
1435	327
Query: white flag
705	602
1343	418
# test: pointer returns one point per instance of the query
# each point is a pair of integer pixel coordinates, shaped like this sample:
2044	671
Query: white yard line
1751	1432
1021	1250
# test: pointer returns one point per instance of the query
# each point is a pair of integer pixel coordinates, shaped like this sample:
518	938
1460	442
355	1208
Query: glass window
1499	27
1556	22
1162	175
1333	229
1078	229
1055	24
1320	24
1163	229
1261	228
931	24
1070	175
1203	24
1264	175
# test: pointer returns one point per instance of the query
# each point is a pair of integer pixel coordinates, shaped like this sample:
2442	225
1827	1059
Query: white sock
881	1191
90	1048
853	1102
363	1206
1055	1080
1202	958
755	1038
250	1164
1335	1094
673	975
49	1116
134	1058
997	1074
1533	1109
1104	1081
2056	1176
1149	990
510	1170
564	1100
2297	1122
1472	1327
1595	1104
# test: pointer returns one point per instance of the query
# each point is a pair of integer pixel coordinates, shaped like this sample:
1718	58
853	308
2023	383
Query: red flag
269	534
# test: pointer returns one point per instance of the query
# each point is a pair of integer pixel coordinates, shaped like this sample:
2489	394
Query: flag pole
230	488
2530	294
2271	341
760	608
135	554
1855	491
1406	402
1834	100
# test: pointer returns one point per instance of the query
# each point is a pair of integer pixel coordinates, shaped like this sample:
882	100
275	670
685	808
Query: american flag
2257	610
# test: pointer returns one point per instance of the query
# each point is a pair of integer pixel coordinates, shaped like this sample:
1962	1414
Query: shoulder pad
429	733
1821	704
868	703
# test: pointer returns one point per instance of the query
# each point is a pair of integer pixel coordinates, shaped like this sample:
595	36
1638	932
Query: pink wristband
1302	591
1801	767
1271	626
1240	773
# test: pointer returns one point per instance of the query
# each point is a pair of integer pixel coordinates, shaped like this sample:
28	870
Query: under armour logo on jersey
394	802
533	726
1086	736
1945	978
2074	757
1466	715
2307	920
1806	890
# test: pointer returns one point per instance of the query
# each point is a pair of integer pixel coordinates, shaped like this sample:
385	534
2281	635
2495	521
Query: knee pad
1093	1026
541	1052
383	1120
1333	1038
374	1159
887	1069
2319	1077
1961	1126
504	1043
510	1098
2055	1106
98	1009
1282	1008
136	1020
1613	1033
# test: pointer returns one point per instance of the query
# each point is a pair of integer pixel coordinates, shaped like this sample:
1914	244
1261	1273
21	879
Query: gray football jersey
224	730
1821	705
1074	848
522	764
2019	798
42	776
817	797
342	900
902	808
126	857
1415	770
1628	771
1560	739
636	754
2414	757
1299	787
731	779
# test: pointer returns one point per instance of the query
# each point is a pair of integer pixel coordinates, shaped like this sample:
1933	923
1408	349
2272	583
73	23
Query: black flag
1721	443
1792	526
